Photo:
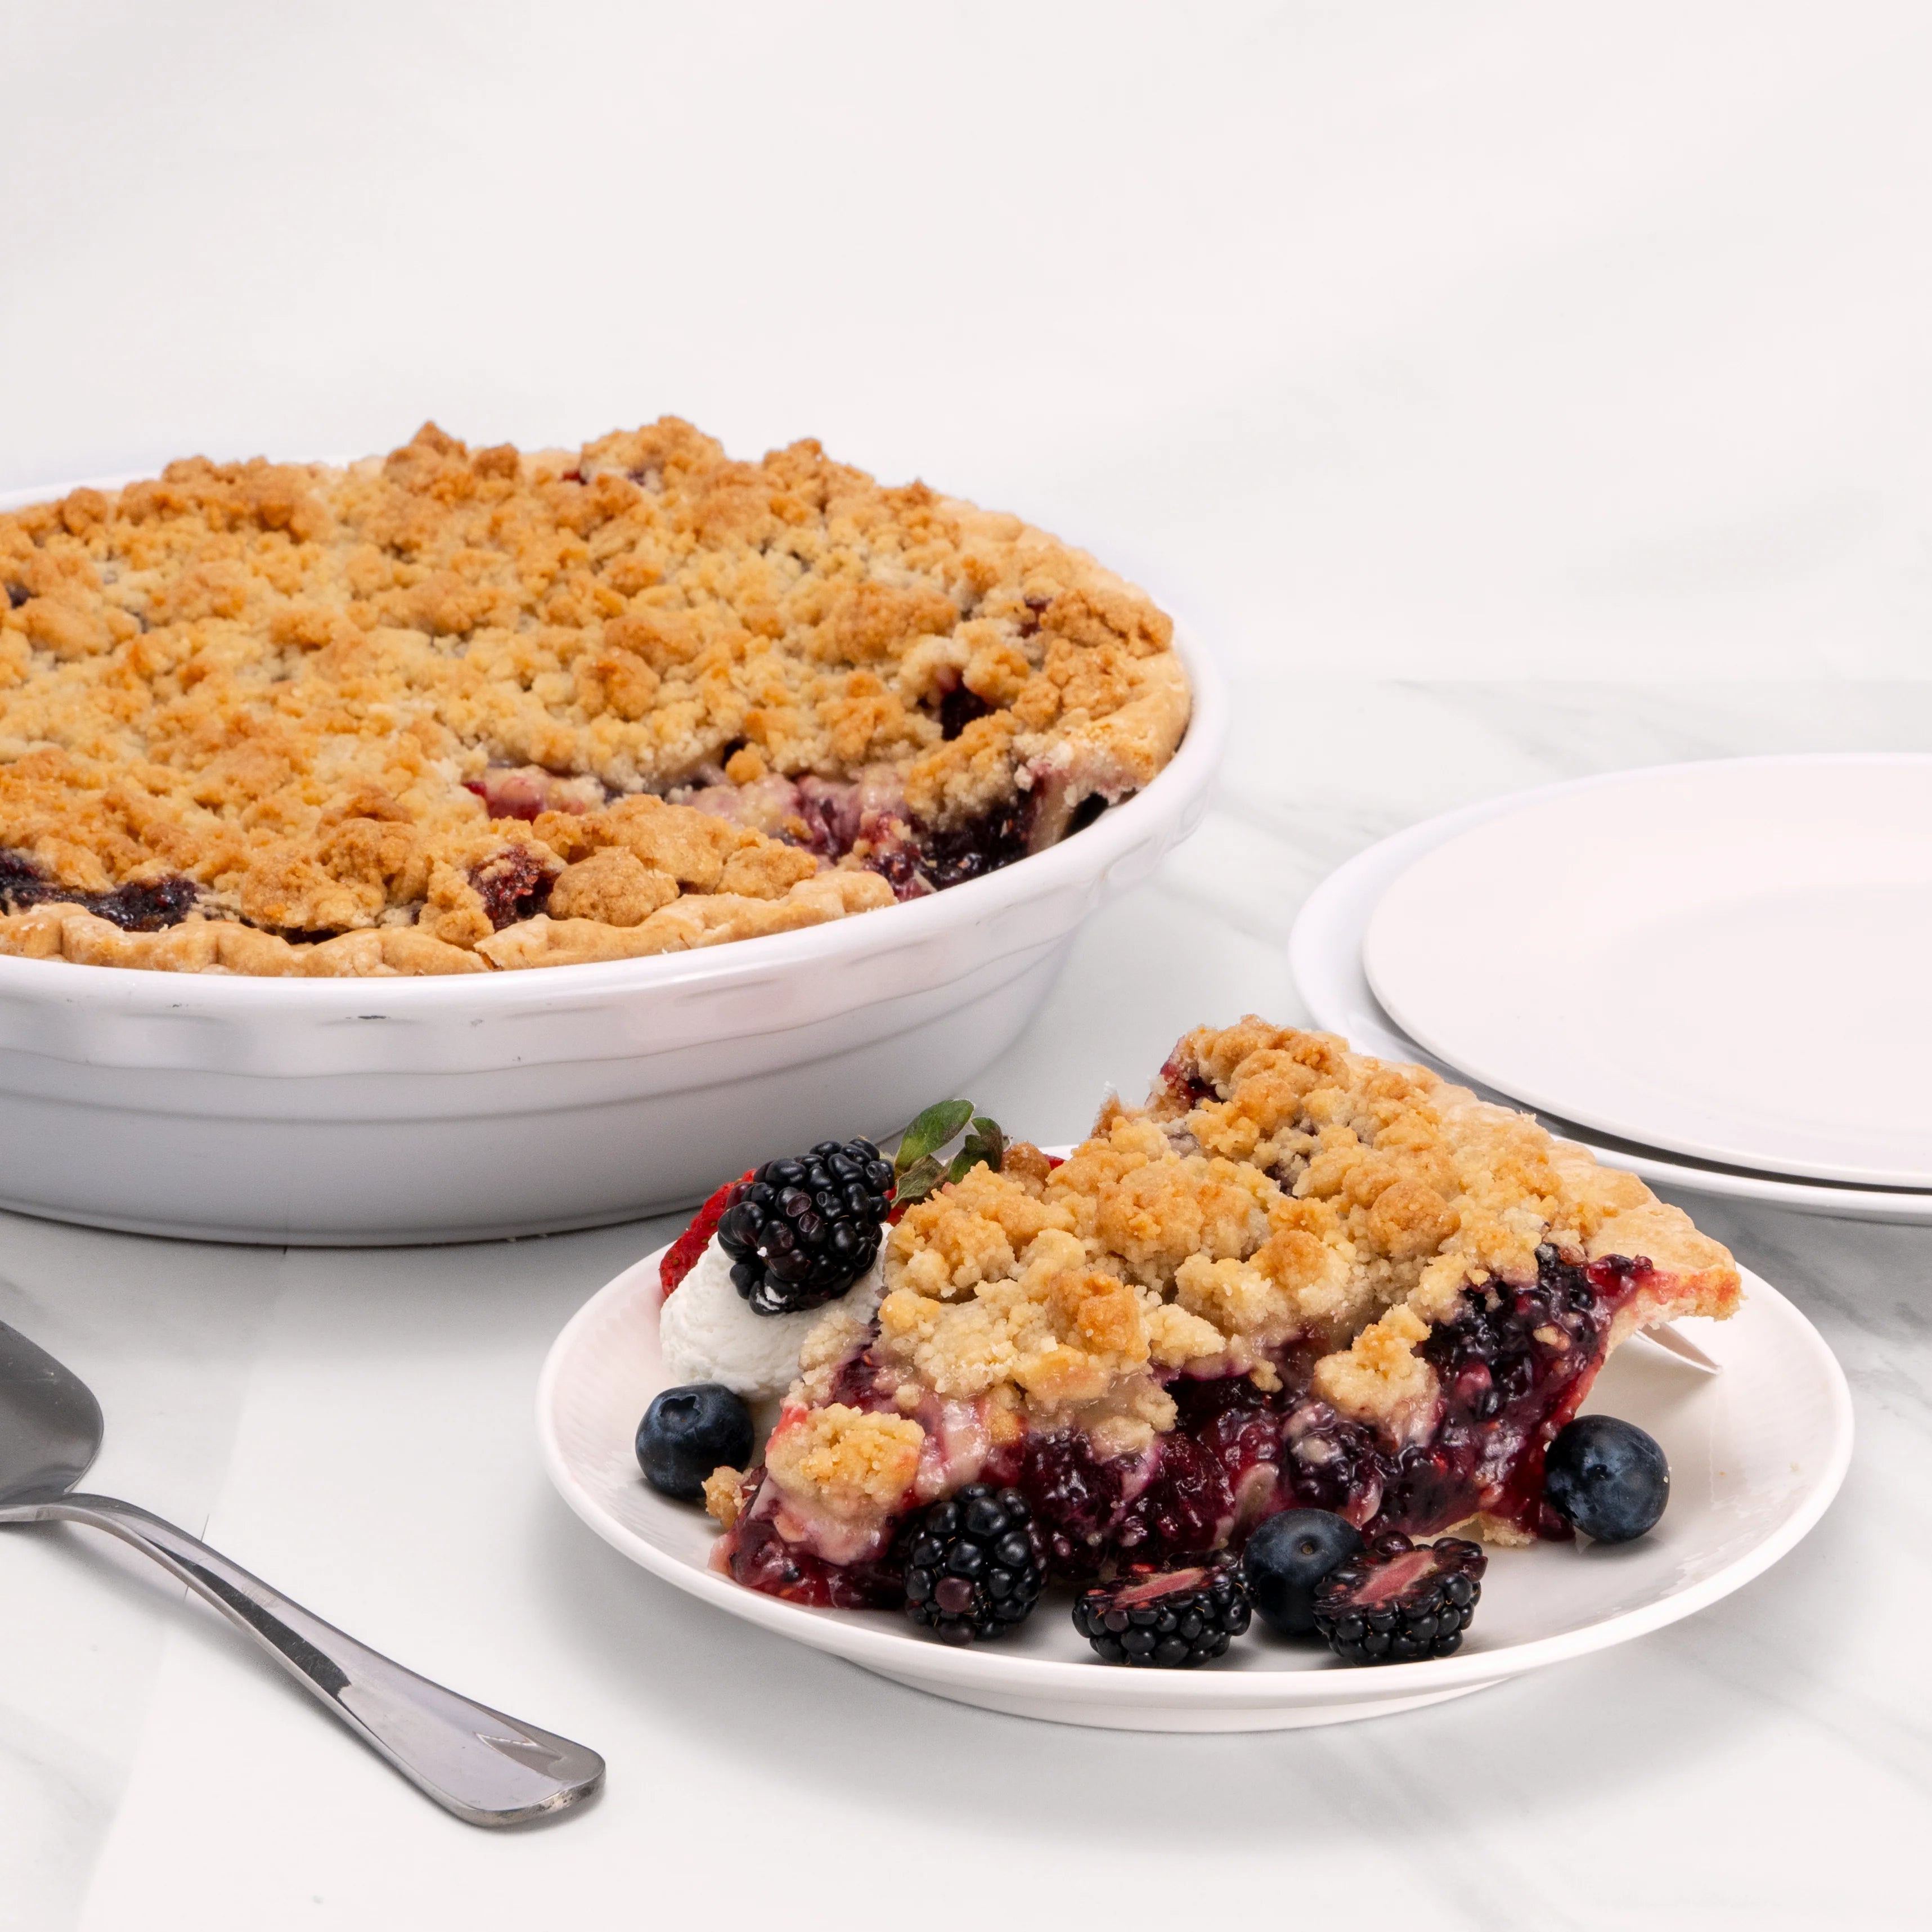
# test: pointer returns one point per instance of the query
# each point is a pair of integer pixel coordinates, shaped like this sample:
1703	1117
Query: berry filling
1512	1366
915	859
868	815
958	708
147	907
981	845
512	885
760	1557
524	791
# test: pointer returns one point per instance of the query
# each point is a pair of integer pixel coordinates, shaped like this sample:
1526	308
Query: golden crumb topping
449	691
726	1491
1277	1192
851	1463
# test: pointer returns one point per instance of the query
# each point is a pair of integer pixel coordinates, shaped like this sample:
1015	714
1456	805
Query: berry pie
1298	1278
457	710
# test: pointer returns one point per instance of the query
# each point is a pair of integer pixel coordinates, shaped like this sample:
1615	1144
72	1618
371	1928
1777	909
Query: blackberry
1166	1620
1399	1601
801	1231
973	1567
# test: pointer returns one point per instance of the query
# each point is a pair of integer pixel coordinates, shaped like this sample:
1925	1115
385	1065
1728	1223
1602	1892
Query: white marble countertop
356	1427
1504	393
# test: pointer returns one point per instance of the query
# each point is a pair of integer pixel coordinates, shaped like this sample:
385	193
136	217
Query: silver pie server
487	1768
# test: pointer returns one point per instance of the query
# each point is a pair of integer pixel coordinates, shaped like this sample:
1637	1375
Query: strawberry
681	1257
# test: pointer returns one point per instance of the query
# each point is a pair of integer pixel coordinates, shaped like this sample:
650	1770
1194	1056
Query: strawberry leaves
985	1142
919	1167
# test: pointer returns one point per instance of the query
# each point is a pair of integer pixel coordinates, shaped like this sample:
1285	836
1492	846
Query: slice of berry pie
459	710
1297	1278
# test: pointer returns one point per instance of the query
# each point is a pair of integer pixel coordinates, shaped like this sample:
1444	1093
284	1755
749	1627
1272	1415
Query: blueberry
1286	1557
1607	1478
687	1432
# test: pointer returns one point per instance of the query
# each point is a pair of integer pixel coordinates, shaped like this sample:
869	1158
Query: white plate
1325	954
1727	960
1757	1453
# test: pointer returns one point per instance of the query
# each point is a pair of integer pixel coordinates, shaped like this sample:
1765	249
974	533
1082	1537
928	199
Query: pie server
487	1768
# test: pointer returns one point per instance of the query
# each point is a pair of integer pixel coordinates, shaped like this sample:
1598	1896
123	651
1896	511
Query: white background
1504	391
1413	338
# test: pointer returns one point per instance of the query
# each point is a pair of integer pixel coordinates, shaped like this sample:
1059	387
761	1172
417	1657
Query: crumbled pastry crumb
1421	1185
1178	1339
726	1491
1484	1527
1380	1378
853	1464
443	693
836	1335
1024	1163
613	885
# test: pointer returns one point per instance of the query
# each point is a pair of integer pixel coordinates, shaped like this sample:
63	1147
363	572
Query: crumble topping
726	1491
1380	1378
849	1463
534	709
839	1330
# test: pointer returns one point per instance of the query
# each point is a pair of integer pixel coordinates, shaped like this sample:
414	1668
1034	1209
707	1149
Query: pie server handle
487	1768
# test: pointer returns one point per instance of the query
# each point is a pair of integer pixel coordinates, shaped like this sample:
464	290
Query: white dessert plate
1757	1453
1325	952
1725	960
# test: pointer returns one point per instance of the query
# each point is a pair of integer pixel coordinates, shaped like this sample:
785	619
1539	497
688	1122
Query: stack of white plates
1717	976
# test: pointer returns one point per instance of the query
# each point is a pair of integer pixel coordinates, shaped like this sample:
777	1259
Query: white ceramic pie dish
1756	1452
368	1112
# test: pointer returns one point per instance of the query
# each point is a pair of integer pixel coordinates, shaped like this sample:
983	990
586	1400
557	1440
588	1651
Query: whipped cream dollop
709	1334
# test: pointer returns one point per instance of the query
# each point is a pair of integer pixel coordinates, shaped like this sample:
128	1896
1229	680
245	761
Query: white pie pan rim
1324	957
582	1368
